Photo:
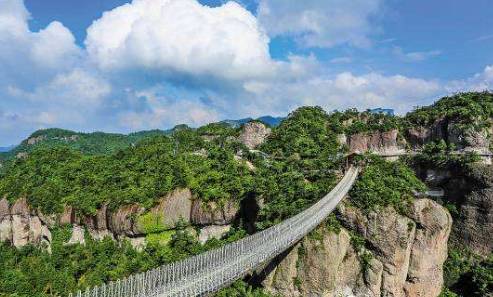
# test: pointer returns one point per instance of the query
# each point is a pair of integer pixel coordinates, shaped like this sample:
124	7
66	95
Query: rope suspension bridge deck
208	272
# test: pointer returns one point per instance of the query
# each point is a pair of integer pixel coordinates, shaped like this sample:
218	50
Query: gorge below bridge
208	272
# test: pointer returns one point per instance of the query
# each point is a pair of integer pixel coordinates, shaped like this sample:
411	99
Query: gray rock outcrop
463	138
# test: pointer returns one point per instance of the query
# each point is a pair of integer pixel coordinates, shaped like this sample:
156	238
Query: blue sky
155	63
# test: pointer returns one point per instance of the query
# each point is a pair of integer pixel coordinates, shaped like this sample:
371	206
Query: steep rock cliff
20	225
461	136
475	214
378	142
403	256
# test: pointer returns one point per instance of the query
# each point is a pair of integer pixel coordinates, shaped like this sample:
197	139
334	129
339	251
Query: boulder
97	225
468	138
68	216
328	266
377	142
48	220
391	236
418	136
358	143
20	223
474	226
281	280
472	191
35	140
253	134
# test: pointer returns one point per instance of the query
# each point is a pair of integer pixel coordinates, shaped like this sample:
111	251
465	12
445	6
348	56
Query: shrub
384	184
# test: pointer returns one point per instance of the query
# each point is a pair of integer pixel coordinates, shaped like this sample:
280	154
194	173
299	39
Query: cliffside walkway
208	272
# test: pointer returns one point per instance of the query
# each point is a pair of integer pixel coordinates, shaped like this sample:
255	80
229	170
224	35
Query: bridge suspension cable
208	272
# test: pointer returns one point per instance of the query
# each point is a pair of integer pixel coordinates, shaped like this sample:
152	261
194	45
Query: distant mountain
95	143
100	142
269	120
237	123
5	149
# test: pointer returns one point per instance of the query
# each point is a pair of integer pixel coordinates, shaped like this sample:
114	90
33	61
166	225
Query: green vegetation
352	122
242	289
151	223
439	154
97	143
468	110
218	130
383	183
304	157
32	271
297	283
365	256
53	177
366	122
160	238
299	170
467	274
332	224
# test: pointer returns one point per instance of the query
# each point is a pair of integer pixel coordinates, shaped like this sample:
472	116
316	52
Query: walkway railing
216	269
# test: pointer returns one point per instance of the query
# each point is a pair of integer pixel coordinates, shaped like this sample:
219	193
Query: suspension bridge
211	271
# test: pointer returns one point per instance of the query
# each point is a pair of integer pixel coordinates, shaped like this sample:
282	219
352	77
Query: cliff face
394	142
253	134
20	225
403	256
453	133
386	143
475	214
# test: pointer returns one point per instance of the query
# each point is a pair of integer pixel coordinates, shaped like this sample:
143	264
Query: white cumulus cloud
77	88
346	90
181	36
481	81
162	112
27	57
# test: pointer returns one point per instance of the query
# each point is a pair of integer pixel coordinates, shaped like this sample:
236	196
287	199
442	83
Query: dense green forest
58	176
32	271
88	143
474	109
383	184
